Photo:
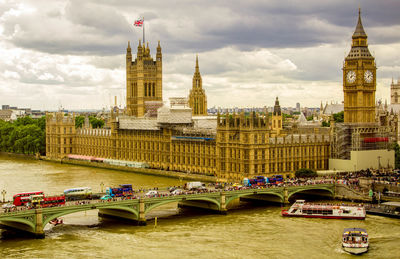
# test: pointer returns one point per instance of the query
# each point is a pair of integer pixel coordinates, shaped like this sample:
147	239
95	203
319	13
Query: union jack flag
138	23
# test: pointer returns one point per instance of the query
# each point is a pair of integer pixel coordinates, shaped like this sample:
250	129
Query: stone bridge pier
142	214
222	207
39	228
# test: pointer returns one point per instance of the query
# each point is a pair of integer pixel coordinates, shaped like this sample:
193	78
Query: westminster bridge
34	220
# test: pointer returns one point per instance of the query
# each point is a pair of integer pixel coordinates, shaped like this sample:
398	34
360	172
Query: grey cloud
104	19
102	27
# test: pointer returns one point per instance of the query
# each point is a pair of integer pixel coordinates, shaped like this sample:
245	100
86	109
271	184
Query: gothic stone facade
240	147
143	79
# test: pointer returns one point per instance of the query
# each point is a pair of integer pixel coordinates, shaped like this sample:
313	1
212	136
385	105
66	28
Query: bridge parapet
136	209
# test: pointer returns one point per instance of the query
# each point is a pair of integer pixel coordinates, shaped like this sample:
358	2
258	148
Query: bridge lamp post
101	185
379	162
388	166
3	192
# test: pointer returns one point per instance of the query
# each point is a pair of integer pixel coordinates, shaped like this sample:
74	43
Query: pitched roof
359	32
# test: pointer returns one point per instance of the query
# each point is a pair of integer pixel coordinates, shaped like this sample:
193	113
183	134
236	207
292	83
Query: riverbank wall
146	171
29	156
368	183
343	192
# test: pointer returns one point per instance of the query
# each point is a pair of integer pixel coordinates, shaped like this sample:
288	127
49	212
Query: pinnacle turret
197	64
128	53
277	107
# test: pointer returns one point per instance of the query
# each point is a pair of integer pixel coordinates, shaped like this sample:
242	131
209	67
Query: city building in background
11	113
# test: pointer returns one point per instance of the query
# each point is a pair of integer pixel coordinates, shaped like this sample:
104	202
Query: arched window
145	89
396	97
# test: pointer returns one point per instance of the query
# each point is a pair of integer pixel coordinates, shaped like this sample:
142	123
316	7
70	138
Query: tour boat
327	211
56	221
355	240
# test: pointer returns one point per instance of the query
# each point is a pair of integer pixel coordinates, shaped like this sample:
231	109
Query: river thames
249	232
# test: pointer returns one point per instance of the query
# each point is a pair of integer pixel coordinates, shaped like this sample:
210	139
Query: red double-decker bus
20	199
52	201
39	200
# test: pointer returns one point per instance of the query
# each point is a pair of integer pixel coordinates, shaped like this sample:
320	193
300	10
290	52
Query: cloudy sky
72	53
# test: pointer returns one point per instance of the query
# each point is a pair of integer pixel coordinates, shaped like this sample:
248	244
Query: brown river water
248	232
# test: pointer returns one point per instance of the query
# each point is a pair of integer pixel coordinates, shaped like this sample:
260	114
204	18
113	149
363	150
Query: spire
128	53
359	32
197	64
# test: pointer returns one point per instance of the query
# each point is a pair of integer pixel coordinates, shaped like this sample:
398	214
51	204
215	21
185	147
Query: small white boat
355	240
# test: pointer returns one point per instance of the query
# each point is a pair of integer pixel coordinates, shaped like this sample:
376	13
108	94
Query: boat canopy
391	203
349	231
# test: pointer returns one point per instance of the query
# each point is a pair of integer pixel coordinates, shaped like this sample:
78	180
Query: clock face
351	76
368	76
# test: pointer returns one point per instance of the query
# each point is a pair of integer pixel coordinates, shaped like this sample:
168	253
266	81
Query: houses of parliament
182	137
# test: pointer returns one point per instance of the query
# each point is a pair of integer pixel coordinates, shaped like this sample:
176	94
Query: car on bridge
177	192
151	193
8	206
106	197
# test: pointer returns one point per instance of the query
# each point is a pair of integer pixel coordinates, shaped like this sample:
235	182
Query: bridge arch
23	221
327	189
63	213
230	199
185	198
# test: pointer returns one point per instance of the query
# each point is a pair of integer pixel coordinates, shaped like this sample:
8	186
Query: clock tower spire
359	81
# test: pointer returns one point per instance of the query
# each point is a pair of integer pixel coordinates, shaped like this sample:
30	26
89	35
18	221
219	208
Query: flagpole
144	41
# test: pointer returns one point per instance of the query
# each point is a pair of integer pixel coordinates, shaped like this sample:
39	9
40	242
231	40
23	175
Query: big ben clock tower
359	80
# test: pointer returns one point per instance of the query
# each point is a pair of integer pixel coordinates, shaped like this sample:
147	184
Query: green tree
305	173
310	118
338	117
79	120
25	135
96	123
325	124
41	122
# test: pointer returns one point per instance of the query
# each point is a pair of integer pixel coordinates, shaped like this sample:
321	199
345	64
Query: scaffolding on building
347	137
